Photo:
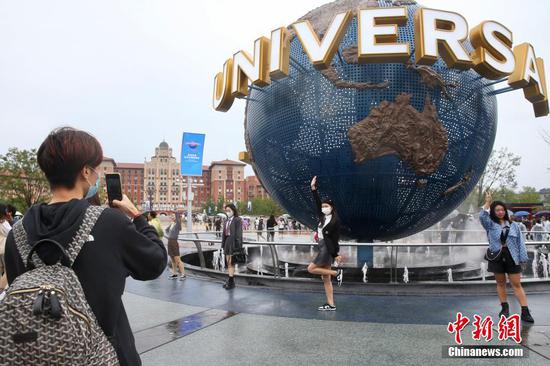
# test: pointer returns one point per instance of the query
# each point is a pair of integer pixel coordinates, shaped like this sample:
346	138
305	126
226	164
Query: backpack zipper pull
38	305
55	306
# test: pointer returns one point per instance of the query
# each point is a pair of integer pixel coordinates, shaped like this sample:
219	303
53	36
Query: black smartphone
114	187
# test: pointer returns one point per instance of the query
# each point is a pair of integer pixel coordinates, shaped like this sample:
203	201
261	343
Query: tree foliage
499	173
21	181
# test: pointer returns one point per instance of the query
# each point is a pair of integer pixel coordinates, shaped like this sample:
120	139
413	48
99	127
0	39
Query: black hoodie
120	248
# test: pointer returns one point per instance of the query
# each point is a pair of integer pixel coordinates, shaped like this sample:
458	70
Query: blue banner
192	148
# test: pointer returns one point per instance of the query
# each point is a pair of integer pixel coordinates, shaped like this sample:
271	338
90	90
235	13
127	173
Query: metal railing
393	248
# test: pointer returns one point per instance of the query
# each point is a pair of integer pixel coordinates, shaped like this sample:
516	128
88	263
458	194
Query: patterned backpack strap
83	234
21	242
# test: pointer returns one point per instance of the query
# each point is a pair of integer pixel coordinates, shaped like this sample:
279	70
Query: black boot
526	315
505	310
226	283
230	283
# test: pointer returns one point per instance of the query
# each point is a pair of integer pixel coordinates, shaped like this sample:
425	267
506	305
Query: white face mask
229	213
326	210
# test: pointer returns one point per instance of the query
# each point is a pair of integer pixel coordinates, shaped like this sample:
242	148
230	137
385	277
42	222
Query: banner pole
189	201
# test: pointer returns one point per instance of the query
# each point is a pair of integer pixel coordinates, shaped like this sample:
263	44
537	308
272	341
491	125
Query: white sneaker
326	307
182	277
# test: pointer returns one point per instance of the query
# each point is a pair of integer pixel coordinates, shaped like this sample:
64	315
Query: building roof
227	162
164	145
130	166
106	158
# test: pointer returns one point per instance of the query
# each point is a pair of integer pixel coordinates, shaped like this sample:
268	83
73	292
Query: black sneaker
340	276
230	285
526	316
326	307
173	277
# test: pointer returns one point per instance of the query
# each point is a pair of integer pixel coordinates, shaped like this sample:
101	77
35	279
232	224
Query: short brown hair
65	152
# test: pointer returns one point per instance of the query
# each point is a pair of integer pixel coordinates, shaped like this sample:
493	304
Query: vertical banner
192	148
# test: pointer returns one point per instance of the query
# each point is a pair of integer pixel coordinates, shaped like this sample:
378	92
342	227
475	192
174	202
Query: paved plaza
196	322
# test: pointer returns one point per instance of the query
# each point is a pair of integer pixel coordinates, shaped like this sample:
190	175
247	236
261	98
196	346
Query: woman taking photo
328	231
120	244
232	241
506	252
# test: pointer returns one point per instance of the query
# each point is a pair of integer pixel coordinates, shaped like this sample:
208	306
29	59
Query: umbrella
521	213
542	213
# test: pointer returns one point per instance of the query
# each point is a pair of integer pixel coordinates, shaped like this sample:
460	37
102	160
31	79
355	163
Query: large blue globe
390	175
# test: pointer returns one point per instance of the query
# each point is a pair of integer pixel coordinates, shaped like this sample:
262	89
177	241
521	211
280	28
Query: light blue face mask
92	191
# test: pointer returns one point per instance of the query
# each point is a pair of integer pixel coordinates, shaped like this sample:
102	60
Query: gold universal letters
438	33
378	35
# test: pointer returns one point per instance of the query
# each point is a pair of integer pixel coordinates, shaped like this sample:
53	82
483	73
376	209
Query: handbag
493	256
239	257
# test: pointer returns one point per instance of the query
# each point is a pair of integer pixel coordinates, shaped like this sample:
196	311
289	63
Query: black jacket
270	225
234	241
121	248
331	232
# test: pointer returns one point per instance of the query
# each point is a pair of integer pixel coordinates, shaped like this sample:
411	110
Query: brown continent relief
418	138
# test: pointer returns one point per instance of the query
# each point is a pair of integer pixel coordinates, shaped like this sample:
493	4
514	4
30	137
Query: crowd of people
127	242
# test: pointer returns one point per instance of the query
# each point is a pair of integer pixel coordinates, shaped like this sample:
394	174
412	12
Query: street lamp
150	192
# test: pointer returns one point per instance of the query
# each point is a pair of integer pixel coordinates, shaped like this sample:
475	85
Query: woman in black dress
232	241
328	231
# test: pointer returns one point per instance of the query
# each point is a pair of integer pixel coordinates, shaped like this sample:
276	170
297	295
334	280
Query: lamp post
150	192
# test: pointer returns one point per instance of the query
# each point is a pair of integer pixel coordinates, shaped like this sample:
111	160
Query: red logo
508	328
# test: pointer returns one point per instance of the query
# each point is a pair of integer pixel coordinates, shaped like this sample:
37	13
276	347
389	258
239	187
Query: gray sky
134	72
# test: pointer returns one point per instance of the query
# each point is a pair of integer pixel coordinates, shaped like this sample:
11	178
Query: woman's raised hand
314	184
488	199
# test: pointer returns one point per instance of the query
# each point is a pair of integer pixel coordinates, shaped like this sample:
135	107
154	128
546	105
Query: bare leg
230	267
180	265
174	266
328	289
501	286
515	281
321	271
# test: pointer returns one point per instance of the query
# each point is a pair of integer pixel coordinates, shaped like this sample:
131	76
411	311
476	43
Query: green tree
527	194
209	206
220	203
266	206
500	172
21	180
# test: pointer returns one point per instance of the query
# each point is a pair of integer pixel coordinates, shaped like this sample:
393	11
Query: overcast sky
136	72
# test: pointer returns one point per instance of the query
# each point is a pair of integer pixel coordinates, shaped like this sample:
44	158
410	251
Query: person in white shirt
5	228
537	230
546	226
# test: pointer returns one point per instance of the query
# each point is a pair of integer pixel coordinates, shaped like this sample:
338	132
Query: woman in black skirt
328	231
505	238
232	241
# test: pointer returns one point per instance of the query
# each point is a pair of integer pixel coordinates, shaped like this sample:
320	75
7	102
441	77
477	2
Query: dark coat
331	232
233	242
120	248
